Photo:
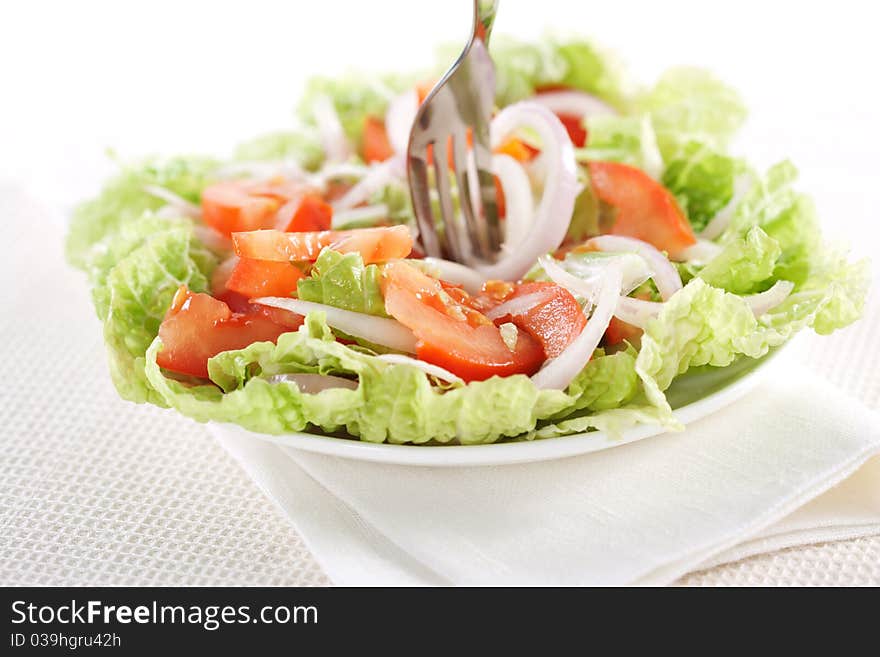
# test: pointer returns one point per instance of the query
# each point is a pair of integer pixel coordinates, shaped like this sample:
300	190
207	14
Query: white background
185	76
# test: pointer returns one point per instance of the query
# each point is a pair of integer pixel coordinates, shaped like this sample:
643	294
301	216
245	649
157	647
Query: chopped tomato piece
376	146
264	278
238	303
312	214
645	209
574	125
451	334
374	244
198	327
240	205
554	318
619	331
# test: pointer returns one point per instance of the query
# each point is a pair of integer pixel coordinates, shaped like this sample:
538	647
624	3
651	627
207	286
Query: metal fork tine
488	194
451	225
418	177
478	237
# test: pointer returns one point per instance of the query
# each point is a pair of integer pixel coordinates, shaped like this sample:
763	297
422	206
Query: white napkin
786	465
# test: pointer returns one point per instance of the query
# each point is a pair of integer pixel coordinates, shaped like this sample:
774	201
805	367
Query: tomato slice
574	125
240	205
264	278
376	145
619	331
198	327
645	209
312	214
451	334
239	303
554	317
374	244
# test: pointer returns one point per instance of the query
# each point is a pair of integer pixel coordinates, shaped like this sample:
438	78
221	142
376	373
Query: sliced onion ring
378	330
427	368
560	187
399	119
375	179
454	272
333	137
186	208
769	299
518	305
665	274
312	384
557	373
518	201
637	311
719	223
574	103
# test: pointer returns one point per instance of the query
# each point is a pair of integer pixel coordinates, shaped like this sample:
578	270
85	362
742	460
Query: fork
458	107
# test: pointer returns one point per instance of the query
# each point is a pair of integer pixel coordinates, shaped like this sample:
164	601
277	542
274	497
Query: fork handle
484	18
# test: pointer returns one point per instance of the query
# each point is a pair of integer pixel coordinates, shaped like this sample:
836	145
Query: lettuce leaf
344	282
744	263
522	67
786	215
124	198
137	292
354	97
702	180
394	403
626	139
690	104
303	146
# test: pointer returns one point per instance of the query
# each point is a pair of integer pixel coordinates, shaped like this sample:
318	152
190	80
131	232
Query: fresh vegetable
451	334
286	289
373	244
645	209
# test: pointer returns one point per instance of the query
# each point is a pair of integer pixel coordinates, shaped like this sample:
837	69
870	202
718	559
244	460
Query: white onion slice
719	223
560	187
518	201
213	239
664	273
700	253
427	368
557	373
637	311
184	207
454	272
375	179
379	330
221	275
399	119
517	305
652	159
312	384
577	103
288	169
366	213
633	267
333	137
769	299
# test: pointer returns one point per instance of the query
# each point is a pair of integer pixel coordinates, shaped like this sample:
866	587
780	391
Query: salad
284	289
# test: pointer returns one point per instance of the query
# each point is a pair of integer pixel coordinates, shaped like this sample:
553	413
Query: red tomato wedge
449	333
311	214
374	244
263	278
238	303
645	209
198	326
376	146
555	318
